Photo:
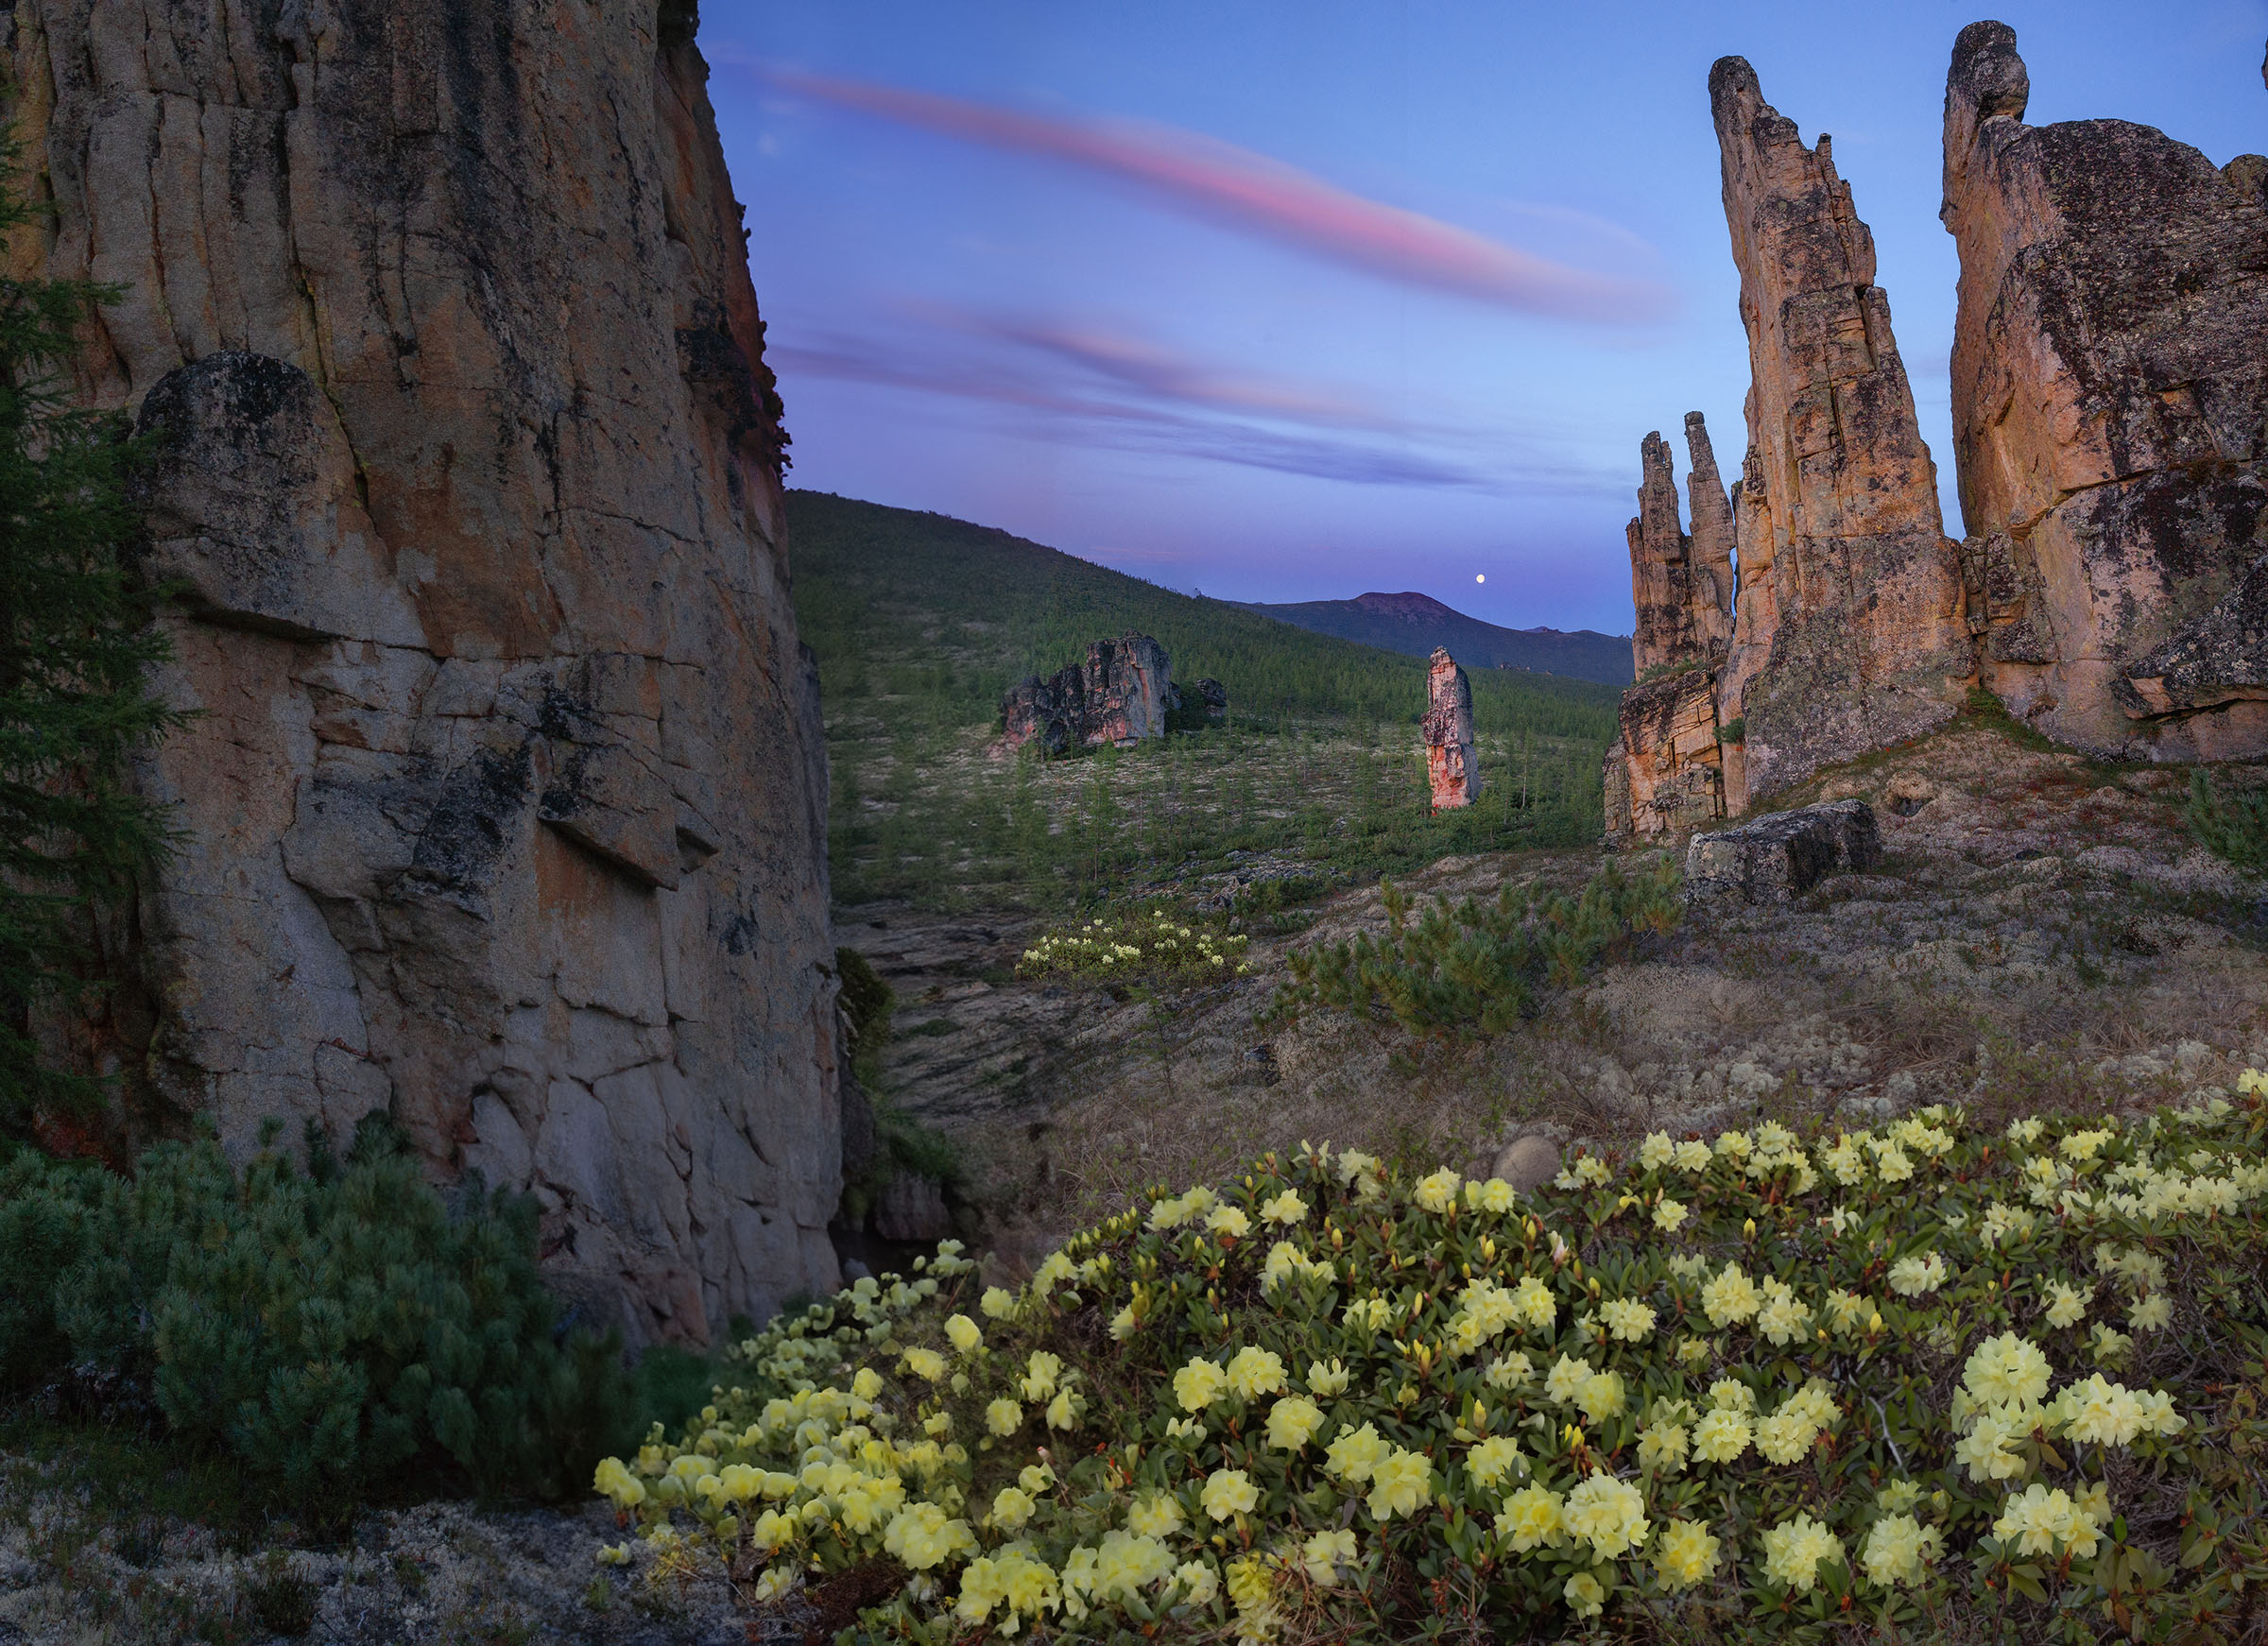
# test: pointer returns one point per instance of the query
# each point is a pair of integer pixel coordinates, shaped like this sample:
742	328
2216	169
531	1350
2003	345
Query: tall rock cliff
504	810
1850	633
2111	418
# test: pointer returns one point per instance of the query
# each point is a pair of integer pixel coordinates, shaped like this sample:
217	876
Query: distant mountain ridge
1416	624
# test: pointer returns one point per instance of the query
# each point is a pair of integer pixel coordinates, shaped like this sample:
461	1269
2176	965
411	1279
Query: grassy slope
942	616
920	622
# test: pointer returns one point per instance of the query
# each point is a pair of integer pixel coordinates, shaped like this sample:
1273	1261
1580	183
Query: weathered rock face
2110	410
506	807
1451	766
1682	585
1849	632
1665	771
1783	854
1121	695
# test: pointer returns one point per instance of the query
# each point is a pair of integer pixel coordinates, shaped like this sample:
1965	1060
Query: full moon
1479	576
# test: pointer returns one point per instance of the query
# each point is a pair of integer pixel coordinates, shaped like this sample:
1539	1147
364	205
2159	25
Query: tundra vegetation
920	622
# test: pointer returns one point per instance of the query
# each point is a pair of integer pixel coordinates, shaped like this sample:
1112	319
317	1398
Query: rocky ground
2041	931
77	1573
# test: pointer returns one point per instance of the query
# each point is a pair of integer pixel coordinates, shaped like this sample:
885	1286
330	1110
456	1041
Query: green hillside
920	622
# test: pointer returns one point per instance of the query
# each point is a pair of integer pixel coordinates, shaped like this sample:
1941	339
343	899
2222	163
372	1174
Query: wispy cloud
1063	412
1094	385
1264	197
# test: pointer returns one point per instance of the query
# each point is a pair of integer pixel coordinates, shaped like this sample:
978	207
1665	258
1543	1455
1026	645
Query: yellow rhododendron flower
2066	1305
1602	1395
1793	1551
1286	1208
1721	1435
1292	1422
2151	1313
1356	1454
1401	1483
1565	1380
1011	1507
1325	1554
1530	1516
1493	1459
999	1302
1626	1319
1607	1513
1669	1215
1229	1491
1229	1220
1693	1159
1155	1514
1327	1379
1656	1152
1900	1550
1254	1372
1685	1554
1437	1191
2045	1521
1731	1299
925	1364
1066	1410
1661	1448
2007	1370
1199	1384
1917	1277
1584	1598
1003	1416
964	1333
923	1535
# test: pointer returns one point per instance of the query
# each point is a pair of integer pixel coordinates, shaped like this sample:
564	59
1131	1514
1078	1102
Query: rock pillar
1850	633
1451	766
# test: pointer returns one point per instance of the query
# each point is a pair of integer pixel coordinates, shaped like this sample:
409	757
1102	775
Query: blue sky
1287	301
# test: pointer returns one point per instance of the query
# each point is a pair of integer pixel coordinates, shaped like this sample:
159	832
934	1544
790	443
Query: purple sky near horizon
1291	301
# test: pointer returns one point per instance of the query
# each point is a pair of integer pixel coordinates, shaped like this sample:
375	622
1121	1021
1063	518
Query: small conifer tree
76	647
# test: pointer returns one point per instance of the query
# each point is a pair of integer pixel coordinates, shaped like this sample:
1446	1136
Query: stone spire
1450	763
2110	401
1680	584
1850	590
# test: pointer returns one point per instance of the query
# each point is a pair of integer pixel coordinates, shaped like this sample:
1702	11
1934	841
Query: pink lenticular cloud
1263	196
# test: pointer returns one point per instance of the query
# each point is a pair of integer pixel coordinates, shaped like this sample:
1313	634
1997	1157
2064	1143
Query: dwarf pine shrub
2231	824
1476	966
1918	1382
338	1329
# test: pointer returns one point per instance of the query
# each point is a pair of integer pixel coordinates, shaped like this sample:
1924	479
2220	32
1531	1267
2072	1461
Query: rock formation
1682	585
1451	766
1666	771
1850	633
1121	695
2110	419
506	807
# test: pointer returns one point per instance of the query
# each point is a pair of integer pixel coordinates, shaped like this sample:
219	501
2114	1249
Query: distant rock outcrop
2110	419
506	807
1121	695
1451	766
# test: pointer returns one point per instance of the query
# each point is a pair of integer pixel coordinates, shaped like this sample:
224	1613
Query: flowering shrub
1157	946
1474	966
1922	1381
